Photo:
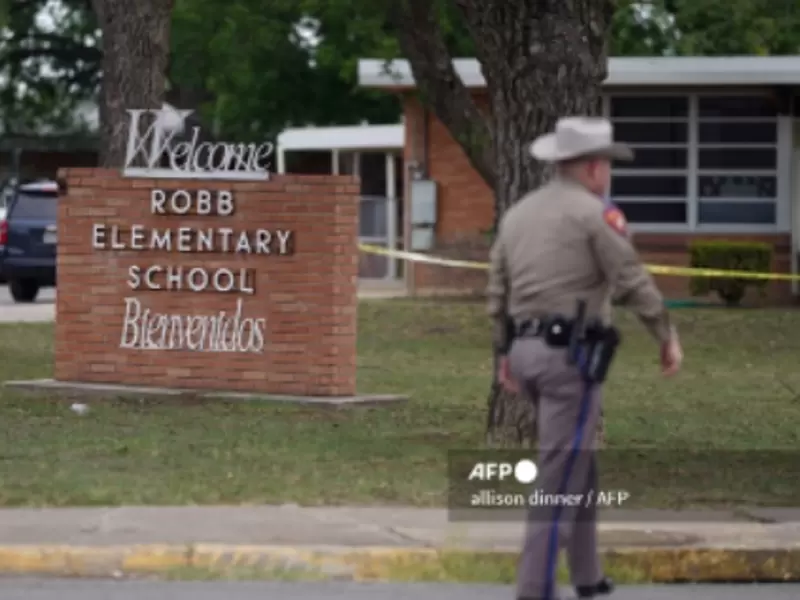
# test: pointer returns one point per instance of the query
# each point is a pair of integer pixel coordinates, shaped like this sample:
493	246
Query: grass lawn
737	401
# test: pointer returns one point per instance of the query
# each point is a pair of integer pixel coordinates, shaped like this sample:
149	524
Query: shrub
734	256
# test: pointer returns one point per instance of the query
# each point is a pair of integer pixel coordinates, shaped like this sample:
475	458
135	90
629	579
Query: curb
658	565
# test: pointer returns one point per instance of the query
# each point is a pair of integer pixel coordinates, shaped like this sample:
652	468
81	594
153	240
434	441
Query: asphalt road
44	309
53	589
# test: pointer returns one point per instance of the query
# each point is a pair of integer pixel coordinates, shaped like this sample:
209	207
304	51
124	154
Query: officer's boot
602	588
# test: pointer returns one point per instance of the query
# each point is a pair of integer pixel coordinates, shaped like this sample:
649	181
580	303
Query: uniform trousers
563	510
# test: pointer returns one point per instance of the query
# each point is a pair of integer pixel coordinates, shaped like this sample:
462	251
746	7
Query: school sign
192	267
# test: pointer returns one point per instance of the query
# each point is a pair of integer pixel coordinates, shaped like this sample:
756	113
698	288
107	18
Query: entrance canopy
334	139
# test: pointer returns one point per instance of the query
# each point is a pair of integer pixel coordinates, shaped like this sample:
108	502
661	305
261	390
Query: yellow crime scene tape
655	269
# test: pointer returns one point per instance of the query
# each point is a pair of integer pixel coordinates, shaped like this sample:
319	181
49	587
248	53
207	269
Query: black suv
28	239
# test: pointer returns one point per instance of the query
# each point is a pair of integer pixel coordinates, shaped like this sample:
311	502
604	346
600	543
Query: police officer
561	246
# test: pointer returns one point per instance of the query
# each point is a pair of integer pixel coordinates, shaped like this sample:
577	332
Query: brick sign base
300	292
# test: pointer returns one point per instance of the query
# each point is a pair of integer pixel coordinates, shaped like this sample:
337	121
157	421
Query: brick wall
465	204
307	297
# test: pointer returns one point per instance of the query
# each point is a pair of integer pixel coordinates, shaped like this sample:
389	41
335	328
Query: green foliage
706	28
757	27
294	64
734	256
638	33
40	38
291	63
257	68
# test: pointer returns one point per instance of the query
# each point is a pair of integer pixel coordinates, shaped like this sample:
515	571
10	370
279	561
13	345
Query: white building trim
358	137
335	139
622	71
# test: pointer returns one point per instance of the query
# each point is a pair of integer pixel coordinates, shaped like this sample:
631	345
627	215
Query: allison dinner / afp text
525	472
487	498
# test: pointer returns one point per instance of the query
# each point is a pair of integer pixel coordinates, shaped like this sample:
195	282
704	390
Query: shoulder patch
616	220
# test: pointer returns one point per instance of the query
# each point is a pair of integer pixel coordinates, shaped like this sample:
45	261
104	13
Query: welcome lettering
192	159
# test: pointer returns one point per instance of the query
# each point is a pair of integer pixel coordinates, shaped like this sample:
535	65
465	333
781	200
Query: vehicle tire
24	290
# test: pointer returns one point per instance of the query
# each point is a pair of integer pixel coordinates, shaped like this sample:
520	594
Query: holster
600	345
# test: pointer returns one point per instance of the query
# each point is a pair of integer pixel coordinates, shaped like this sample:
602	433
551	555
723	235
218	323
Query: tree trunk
560	47
135	57
541	60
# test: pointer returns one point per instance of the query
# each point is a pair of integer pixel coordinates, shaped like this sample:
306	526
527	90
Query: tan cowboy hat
576	137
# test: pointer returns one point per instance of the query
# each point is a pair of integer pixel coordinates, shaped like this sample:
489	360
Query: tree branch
422	43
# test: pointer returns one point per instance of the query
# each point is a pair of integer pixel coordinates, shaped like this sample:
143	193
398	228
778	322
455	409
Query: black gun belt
556	329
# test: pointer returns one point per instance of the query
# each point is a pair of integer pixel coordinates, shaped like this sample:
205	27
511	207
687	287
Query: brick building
718	156
38	154
34	157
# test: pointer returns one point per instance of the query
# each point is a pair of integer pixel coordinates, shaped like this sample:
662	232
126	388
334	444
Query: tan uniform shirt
557	246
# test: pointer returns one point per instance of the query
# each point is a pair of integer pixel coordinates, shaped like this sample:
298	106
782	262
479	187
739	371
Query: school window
654	187
737	160
701	160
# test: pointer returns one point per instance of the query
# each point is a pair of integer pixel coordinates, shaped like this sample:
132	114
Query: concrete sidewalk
363	543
